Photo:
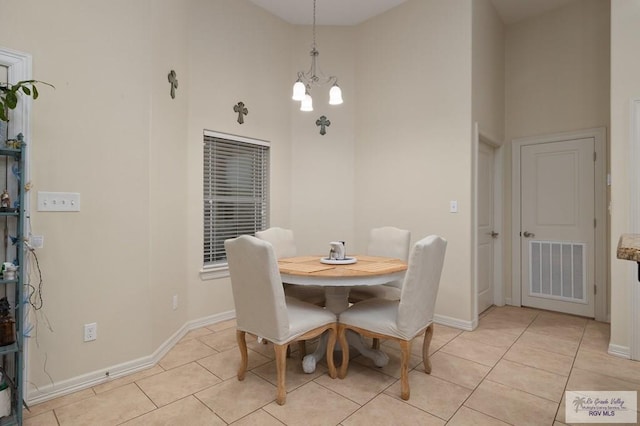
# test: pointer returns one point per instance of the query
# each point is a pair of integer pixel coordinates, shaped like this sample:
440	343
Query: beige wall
488	70
322	180
413	133
237	52
625	86
111	132
90	135
557	79
167	163
557	70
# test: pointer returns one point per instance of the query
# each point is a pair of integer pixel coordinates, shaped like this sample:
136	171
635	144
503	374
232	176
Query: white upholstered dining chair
282	240
284	245
262	309
387	241
405	319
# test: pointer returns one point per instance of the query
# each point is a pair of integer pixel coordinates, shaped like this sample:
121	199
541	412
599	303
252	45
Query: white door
486	232
557	233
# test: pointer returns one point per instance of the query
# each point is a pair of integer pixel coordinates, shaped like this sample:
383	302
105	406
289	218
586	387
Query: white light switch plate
58	201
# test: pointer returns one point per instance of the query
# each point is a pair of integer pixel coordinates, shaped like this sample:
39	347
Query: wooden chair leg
331	344
428	335
405	348
344	345
244	357
375	344
281	370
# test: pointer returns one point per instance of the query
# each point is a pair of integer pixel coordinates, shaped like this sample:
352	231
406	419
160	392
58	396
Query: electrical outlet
175	302
453	206
90	332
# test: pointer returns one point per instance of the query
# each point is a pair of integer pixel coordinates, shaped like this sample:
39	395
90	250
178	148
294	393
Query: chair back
257	288
281	239
389	241
420	287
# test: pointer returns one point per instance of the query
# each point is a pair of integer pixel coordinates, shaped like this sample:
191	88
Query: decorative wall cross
174	83
241	110
323	123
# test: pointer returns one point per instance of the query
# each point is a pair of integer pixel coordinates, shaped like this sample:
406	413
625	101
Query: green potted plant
9	95
7	323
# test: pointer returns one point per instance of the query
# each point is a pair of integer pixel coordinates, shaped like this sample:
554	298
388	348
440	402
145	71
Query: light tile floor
513	369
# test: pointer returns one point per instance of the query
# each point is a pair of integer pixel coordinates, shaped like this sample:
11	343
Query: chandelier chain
314	24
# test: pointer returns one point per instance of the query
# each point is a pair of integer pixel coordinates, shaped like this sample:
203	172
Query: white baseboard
75	384
619	351
65	387
455	322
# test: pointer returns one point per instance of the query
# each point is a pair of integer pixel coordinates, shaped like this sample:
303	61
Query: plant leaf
11	100
44	82
3	115
26	90
35	92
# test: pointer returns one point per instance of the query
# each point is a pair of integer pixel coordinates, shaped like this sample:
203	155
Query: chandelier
314	76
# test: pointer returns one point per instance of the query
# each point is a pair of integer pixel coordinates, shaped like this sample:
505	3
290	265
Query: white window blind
236	191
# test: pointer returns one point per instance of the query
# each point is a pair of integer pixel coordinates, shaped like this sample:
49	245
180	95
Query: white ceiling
353	12
328	12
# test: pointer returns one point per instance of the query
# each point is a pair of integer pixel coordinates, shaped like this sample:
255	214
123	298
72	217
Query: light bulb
298	91
307	103
335	95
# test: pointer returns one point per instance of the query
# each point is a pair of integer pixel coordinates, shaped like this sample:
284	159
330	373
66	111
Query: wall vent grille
557	270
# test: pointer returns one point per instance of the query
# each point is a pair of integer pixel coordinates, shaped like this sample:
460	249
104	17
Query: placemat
300	259
378	259
374	267
303	267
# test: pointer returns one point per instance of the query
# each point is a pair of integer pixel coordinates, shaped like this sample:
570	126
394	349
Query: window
236	191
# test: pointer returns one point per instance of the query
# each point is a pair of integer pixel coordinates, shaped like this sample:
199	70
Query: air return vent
557	270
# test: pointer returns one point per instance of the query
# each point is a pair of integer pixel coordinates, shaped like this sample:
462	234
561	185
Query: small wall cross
174	83
323	123
241	110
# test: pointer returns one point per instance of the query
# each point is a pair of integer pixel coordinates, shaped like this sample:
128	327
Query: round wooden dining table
337	278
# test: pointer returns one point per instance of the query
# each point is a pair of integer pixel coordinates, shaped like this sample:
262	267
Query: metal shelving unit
11	355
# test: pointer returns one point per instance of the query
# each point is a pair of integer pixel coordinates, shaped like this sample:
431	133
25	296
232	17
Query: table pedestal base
337	300
379	358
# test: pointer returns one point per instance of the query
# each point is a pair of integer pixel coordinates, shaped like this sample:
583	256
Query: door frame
18	68
601	254
498	291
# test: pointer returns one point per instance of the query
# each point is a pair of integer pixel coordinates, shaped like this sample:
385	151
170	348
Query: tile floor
513	369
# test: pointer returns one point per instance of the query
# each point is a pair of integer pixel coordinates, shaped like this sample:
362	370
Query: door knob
527	234
494	234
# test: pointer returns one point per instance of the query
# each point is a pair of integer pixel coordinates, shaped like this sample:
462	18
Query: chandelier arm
315	75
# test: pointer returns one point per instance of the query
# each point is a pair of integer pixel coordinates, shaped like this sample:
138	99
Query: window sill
214	272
